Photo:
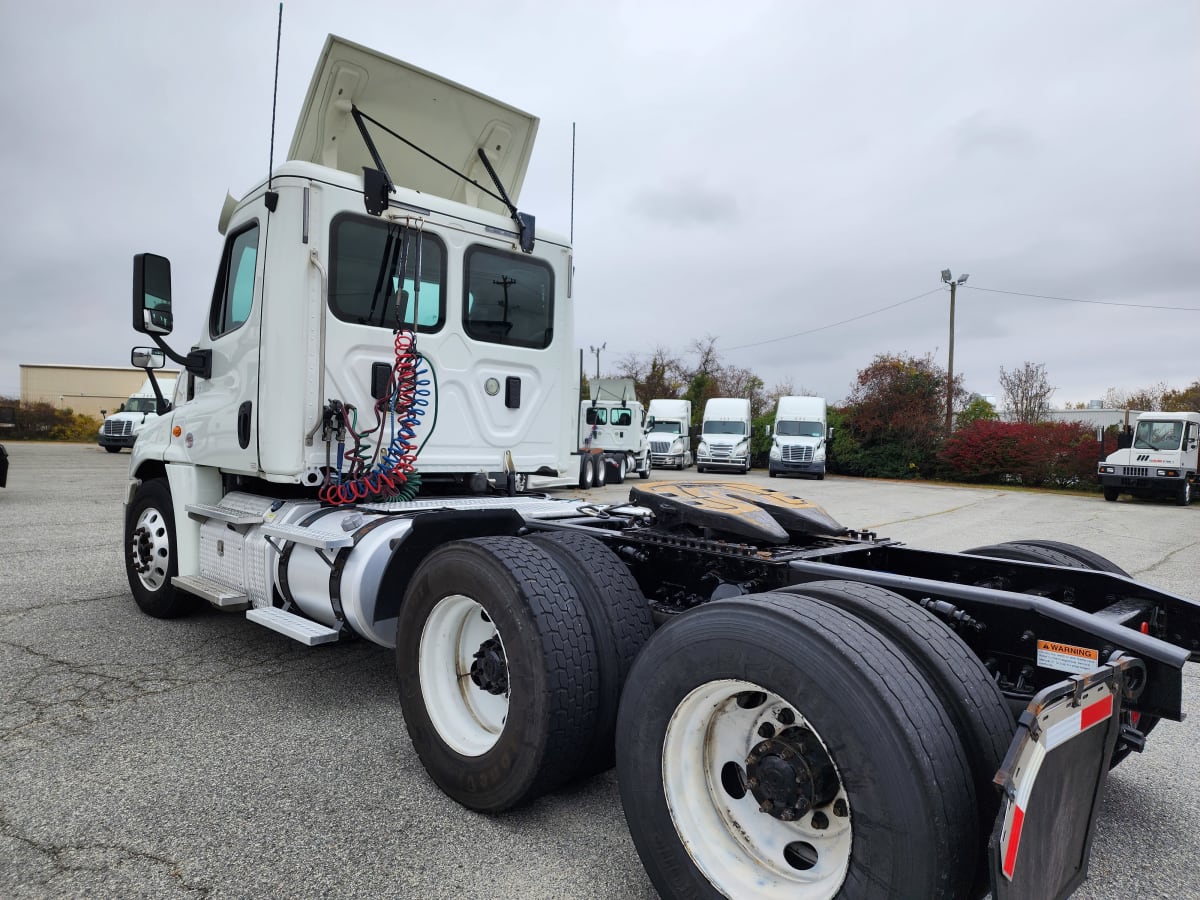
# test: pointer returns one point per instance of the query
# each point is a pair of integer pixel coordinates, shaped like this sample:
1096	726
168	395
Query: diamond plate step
202	511
310	537
211	590
296	627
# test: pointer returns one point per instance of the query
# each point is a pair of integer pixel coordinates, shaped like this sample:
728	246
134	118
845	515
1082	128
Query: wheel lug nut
752	782
788	815
766	806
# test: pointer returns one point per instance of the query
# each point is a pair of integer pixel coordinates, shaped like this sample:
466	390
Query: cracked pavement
206	757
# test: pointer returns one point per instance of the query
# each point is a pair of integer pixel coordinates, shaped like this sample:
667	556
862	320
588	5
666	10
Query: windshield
792	428
141	405
665	428
1158	435
724	427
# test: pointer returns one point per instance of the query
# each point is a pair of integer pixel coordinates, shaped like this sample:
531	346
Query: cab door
220	427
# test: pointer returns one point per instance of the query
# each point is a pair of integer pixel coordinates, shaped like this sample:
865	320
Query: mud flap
1053	778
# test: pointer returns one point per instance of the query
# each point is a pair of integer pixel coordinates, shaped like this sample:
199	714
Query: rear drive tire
621	468
599	471
500	609
151	553
965	688
587	471
716	697
620	622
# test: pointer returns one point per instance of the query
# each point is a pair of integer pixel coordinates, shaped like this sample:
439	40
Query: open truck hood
441	117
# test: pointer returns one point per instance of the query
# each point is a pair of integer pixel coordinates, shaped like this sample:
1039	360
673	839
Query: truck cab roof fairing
443	118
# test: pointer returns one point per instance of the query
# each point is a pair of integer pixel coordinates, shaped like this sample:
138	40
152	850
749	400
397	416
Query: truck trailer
794	707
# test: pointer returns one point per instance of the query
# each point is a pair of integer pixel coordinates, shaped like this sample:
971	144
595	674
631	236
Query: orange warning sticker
1066	657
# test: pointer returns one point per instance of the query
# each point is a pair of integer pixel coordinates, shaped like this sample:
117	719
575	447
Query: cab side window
233	296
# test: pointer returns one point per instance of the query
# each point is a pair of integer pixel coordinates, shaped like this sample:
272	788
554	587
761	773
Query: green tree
976	410
895	417
1184	400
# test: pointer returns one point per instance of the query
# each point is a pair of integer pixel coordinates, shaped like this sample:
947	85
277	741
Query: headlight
776	453
1168	473
703	448
1106	470
741	448
677	445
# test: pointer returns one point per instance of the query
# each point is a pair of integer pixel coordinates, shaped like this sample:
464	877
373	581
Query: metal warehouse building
92	390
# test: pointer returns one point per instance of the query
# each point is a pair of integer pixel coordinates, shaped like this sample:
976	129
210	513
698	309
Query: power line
788	337
1077	300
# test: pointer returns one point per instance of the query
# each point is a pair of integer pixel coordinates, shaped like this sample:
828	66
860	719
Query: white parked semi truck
612	436
795	708
121	429
670	433
1160	462
724	435
800	436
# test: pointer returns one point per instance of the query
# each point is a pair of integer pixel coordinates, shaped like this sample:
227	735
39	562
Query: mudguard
1052	780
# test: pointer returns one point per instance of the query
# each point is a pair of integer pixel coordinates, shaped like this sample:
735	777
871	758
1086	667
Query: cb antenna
272	198
572	183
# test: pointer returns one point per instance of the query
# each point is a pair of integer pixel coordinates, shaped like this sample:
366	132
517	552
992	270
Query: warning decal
1066	657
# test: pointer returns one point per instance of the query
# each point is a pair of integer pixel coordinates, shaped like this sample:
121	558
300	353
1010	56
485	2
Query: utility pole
954	283
597	350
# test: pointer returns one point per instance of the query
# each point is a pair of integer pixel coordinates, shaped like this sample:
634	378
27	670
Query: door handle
243	424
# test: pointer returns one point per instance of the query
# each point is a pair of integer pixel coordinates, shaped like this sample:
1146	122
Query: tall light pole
954	283
597	350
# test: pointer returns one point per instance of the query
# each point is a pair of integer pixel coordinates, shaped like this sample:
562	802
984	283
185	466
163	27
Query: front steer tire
151	552
496	747
908	817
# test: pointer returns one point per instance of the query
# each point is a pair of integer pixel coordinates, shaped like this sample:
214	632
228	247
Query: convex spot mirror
152	294
147	358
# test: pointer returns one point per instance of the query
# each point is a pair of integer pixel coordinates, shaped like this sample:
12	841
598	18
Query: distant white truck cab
612	432
1161	461
122	427
800	437
670	425
725	435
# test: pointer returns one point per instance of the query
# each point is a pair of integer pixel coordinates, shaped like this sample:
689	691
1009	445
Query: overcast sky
744	170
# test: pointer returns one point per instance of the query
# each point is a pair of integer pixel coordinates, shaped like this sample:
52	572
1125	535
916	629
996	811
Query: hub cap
150	549
464	675
754	794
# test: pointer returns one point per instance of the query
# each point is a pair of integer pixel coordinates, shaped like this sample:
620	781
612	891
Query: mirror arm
198	362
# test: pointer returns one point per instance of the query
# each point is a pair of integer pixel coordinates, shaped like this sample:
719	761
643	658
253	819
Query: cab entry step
306	631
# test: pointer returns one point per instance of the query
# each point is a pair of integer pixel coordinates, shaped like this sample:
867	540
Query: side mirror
152	294
829	434
147	358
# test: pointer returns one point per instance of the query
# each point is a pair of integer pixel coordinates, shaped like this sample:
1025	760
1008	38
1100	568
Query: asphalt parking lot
206	757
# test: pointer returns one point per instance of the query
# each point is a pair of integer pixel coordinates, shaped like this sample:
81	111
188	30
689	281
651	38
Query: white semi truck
1160	462
670	433
800	437
795	708
724	435
612	433
121	429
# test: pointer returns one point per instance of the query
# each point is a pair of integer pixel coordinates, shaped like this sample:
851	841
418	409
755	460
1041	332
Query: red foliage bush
1046	454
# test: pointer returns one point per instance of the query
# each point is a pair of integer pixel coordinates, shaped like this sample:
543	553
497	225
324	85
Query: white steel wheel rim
742	851
150	548
467	717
